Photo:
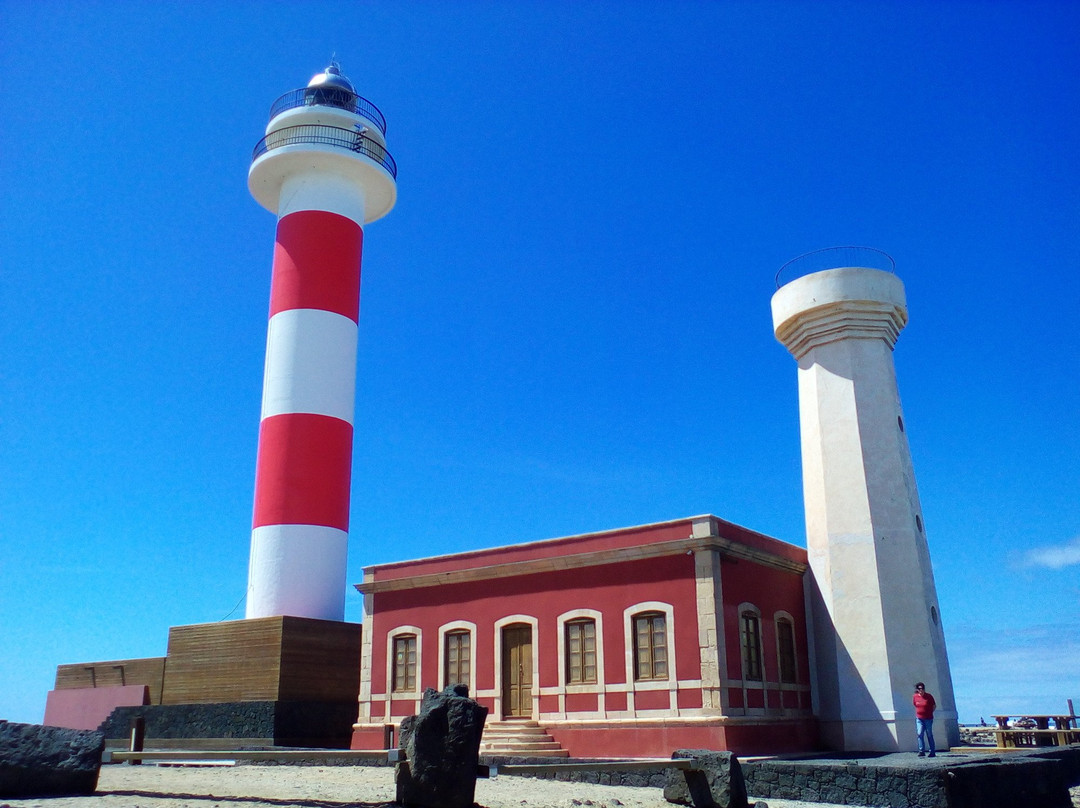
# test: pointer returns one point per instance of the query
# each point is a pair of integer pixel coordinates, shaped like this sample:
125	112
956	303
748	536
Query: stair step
526	753
508	749
519	738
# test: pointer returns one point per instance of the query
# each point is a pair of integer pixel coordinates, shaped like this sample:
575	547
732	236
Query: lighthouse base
263	659
271	681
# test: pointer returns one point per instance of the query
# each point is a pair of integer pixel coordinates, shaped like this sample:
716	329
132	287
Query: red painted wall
770	590
610	590
773	738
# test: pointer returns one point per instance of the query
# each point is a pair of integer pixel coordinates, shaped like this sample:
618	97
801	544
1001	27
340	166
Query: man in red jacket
924	718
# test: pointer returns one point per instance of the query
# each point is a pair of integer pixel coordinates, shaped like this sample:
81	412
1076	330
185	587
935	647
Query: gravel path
124	786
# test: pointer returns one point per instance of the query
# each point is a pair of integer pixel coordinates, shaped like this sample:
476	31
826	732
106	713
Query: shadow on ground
217	798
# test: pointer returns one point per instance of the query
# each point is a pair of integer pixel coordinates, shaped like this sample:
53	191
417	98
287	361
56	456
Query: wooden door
517	671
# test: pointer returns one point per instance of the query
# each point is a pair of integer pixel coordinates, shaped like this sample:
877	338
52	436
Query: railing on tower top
327	136
834	258
329	97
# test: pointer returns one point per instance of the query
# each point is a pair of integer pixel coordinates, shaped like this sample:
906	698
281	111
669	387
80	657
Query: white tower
877	624
324	170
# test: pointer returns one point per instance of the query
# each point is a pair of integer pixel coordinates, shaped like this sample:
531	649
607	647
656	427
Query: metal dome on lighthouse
323	168
332	77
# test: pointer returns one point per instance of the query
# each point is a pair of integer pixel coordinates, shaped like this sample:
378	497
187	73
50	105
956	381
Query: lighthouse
874	603
324	170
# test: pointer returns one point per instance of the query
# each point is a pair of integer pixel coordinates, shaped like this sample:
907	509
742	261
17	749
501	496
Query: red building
690	633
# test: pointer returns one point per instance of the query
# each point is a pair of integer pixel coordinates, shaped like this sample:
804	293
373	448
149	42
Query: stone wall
1040	778
984	781
844	783
261	723
643	778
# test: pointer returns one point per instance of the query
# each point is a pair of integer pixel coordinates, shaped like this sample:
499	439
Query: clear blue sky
565	322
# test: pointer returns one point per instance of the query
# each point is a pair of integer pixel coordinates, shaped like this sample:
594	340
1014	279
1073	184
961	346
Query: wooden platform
114	673
265	659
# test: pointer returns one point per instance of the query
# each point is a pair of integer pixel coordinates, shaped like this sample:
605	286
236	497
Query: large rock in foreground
442	750
37	761
717	783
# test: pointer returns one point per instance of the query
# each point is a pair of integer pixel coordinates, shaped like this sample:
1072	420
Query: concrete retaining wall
1040	778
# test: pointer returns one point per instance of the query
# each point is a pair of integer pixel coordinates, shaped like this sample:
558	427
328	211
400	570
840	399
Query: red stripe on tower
317	263
303	471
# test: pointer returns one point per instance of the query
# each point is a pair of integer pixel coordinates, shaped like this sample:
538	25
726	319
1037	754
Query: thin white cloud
1055	557
1029	669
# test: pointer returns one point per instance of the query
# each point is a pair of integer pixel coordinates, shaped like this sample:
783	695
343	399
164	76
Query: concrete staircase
519	739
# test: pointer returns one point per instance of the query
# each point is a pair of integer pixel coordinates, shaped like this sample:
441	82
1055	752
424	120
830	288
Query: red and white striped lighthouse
324	170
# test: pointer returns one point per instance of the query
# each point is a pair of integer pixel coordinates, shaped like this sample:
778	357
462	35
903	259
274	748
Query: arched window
457	657
404	664
785	650
650	646
750	644
580	651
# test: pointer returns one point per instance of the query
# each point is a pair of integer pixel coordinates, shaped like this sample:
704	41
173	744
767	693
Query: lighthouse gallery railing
327	136
329	97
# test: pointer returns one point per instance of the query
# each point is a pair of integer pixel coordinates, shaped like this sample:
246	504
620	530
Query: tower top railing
833	258
329	97
318	134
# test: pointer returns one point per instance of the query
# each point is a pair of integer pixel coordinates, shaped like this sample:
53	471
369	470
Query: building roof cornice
704	536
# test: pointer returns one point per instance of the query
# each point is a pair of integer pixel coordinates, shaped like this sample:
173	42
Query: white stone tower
877	624
324	170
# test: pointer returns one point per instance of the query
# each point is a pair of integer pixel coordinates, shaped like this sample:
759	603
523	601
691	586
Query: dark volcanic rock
442	750
718	784
37	761
1008	782
278	723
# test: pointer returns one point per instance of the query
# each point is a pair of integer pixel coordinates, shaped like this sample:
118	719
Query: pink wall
87	707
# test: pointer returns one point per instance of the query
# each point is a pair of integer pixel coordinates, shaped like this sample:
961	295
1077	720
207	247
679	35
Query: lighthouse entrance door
517	671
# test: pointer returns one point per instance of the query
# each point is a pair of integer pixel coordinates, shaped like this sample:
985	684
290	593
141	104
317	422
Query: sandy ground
125	786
